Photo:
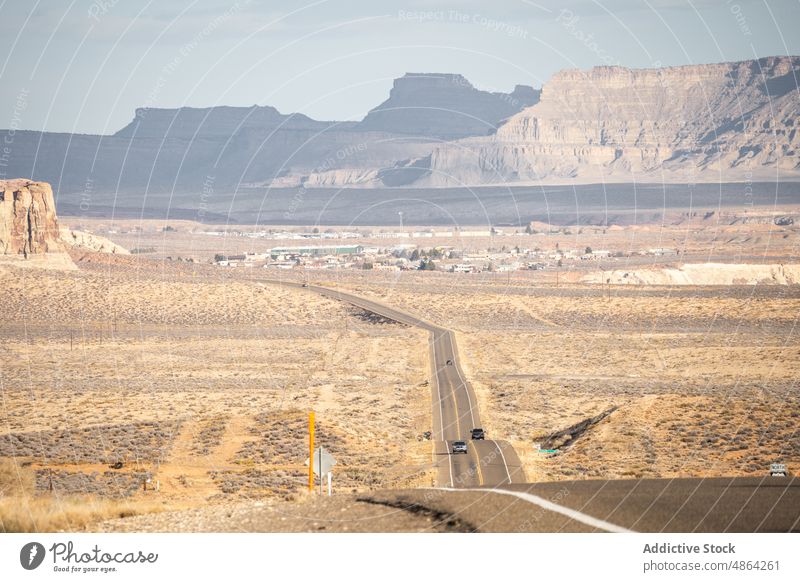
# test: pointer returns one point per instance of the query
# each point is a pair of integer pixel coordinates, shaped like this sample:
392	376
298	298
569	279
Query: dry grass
705	378
46	514
21	510
182	376
201	379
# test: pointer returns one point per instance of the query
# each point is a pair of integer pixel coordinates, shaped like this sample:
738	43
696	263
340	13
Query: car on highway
459	447
778	470
478	434
449	362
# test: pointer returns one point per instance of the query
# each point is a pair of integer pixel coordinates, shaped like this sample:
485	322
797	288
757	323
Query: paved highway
455	406
485	489
720	504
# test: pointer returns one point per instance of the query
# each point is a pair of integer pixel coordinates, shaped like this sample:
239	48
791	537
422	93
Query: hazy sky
84	66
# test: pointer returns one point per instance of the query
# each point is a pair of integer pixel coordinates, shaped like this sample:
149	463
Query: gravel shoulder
347	513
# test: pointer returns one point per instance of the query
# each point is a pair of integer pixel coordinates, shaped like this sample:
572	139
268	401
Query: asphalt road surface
715	505
720	504
455	406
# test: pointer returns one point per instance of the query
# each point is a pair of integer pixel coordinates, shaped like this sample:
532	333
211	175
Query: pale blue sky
84	66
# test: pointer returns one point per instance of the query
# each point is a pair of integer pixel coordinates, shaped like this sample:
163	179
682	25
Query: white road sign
327	461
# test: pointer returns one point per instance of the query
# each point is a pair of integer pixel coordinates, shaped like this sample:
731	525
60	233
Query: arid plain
135	372
130	370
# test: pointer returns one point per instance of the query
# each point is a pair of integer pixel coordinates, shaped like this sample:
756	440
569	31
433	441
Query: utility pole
311	451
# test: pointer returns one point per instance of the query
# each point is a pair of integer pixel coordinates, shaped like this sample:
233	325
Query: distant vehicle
478	434
305	284
449	362
777	470
459	447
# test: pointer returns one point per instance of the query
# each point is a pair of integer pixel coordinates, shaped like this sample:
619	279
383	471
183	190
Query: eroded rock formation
28	223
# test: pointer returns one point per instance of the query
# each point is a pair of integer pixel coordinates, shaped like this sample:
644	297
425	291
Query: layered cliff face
445	106
722	122
28	223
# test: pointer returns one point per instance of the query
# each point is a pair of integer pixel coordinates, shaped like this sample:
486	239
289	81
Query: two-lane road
485	489
455	406
487	462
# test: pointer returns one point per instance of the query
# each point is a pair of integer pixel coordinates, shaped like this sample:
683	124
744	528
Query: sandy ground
704	377
199	378
202	385
339	513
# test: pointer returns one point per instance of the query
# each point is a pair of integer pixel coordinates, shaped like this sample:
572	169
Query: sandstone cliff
719	122
28	223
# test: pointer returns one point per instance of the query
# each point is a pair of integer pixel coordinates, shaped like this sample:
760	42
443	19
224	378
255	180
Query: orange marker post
311	451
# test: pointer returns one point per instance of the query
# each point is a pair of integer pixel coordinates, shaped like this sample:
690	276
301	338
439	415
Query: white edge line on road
505	465
554	507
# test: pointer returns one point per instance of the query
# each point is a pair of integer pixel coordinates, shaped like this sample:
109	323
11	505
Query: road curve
702	505
455	407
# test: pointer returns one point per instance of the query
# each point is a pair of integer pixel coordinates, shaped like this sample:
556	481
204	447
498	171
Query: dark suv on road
478	434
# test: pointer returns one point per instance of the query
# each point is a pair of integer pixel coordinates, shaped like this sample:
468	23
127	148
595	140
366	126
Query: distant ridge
725	122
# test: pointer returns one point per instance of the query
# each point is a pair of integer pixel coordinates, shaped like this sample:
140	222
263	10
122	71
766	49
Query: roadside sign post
321	462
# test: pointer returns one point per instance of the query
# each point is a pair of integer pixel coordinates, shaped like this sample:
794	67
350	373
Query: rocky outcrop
78	239
445	106
701	274
28	223
719	122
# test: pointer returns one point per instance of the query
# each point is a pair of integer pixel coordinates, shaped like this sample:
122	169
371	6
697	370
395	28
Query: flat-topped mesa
212	122
444	106
28	222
